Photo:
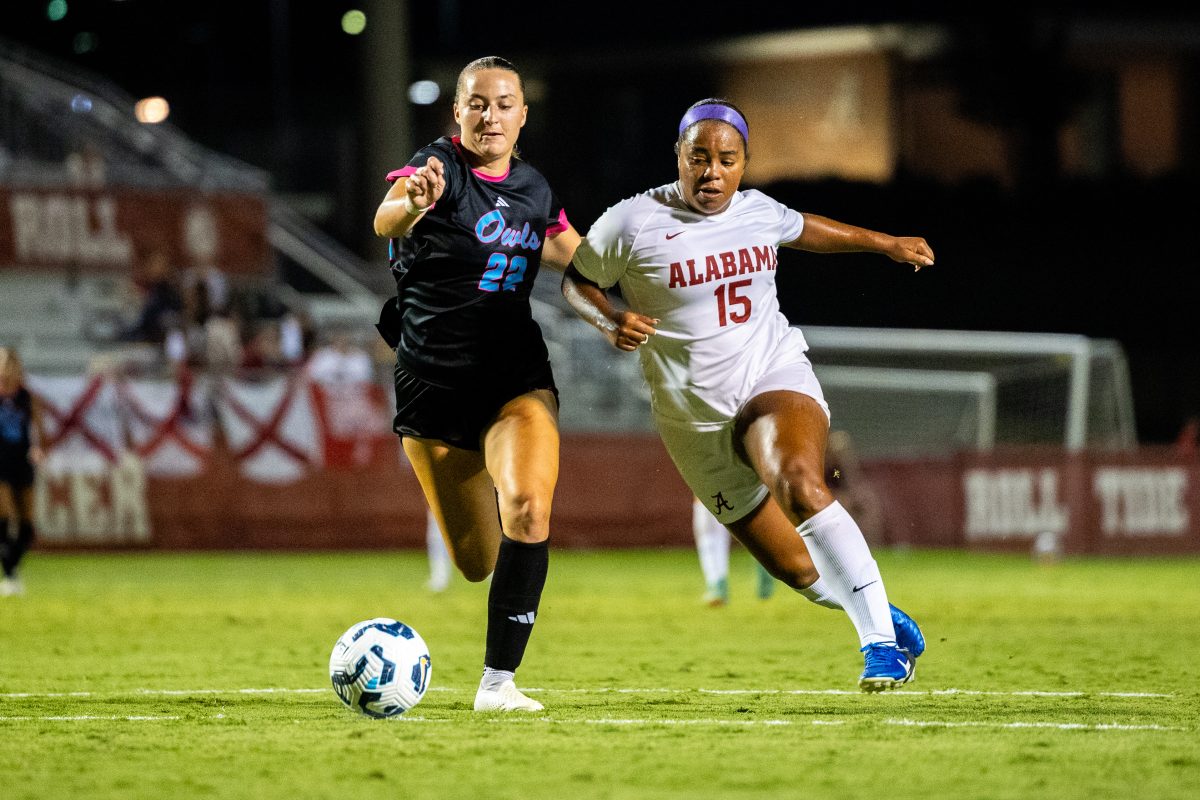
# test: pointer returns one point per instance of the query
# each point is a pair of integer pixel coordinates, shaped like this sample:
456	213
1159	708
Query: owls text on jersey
465	271
710	280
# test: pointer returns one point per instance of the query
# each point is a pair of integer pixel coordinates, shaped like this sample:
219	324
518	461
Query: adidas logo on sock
524	618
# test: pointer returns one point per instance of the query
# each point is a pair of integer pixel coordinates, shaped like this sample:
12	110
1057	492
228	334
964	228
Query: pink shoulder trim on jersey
560	226
403	172
482	176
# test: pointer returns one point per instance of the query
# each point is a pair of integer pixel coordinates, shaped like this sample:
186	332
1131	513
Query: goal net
903	392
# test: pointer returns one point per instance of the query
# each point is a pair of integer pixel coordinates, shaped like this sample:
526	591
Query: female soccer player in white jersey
734	396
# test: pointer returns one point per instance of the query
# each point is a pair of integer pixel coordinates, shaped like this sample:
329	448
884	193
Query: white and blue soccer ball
380	667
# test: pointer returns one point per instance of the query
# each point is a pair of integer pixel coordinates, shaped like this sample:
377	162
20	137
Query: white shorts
705	455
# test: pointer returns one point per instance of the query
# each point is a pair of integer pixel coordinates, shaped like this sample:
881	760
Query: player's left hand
912	250
633	330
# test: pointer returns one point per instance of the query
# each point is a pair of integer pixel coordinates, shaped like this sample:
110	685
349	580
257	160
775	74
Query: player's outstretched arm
560	249
409	199
824	235
624	329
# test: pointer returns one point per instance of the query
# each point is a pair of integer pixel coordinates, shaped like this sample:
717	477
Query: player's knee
526	517
797	573
475	573
474	568
801	489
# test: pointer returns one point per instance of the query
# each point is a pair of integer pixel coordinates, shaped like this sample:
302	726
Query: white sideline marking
1062	726
85	718
709	722
927	693
614	690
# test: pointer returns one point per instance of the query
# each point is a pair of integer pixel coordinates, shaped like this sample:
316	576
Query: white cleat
11	587
507	698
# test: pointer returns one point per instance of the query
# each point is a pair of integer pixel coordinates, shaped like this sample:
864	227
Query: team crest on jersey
720	503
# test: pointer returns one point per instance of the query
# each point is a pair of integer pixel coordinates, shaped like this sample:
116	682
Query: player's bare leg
19	504
521	452
783	436
461	496
437	554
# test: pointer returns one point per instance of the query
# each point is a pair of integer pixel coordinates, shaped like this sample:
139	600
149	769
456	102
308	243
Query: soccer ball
380	667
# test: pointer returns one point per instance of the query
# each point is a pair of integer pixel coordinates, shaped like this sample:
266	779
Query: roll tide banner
111	230
1143	501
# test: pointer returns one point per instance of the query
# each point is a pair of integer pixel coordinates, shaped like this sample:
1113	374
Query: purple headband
715	111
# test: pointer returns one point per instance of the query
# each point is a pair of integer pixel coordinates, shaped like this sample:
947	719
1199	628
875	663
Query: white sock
493	678
439	556
851	576
818	592
712	544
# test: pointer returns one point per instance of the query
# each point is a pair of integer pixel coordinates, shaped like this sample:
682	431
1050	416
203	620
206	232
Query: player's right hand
633	330
425	186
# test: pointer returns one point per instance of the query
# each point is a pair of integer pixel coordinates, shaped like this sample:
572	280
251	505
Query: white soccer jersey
710	279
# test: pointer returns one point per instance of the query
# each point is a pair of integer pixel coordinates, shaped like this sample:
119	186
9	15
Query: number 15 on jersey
731	305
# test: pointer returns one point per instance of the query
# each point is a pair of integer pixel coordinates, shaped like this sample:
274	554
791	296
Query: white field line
620	722
928	693
608	690
653	723
1062	726
85	718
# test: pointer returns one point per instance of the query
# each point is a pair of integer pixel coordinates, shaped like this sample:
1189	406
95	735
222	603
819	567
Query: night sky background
277	84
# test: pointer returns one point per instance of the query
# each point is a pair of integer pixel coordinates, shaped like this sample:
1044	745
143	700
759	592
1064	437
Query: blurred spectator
162	303
294	338
262	349
222	343
212	283
341	361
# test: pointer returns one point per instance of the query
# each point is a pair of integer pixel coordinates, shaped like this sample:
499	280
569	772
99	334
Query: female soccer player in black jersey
476	405
21	437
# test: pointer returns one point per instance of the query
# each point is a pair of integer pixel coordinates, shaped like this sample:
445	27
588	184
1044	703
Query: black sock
6	545
15	549
513	601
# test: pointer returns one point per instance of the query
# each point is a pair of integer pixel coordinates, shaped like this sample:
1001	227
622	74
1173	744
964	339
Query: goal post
1037	388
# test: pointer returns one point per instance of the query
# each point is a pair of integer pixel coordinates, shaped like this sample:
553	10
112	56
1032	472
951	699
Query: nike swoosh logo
865	585
673	235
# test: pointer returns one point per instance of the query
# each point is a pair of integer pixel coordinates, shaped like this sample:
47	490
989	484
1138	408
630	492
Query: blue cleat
887	666
908	634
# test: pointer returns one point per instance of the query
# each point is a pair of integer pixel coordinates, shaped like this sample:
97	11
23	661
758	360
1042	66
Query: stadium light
151	110
423	93
81	104
354	22
56	10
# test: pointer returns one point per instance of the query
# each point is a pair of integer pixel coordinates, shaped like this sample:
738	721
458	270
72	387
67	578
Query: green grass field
180	676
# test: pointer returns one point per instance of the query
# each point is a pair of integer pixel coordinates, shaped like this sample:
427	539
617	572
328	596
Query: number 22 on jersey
503	273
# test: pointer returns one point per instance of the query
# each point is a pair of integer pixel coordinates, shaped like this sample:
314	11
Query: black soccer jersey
16	414
465	272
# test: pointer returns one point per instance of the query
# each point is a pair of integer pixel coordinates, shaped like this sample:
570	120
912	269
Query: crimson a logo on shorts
720	503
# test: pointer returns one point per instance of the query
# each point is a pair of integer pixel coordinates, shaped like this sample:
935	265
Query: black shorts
459	417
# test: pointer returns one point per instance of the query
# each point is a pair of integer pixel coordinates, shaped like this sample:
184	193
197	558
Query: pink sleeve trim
396	174
560	226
